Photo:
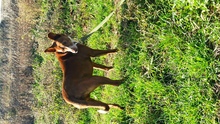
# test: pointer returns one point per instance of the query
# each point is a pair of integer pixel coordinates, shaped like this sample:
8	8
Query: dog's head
62	44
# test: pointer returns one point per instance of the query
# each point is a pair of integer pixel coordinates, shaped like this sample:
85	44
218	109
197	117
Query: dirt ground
16	79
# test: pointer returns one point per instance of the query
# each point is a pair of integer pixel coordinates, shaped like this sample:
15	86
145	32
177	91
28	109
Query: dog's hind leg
103	107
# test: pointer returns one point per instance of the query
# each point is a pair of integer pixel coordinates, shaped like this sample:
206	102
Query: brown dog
77	67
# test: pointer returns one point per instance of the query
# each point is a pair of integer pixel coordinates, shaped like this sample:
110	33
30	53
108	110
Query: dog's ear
53	36
50	49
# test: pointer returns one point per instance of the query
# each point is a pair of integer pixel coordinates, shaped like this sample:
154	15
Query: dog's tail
83	39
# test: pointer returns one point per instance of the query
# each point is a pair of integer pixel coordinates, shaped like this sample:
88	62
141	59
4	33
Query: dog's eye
64	42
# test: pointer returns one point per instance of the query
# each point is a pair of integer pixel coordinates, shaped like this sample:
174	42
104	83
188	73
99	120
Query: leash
102	23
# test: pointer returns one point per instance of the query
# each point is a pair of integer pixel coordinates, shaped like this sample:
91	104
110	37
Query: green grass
166	56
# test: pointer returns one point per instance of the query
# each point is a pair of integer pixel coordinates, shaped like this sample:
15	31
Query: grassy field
168	56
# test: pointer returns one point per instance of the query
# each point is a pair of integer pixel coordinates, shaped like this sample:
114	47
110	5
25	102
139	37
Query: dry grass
16	62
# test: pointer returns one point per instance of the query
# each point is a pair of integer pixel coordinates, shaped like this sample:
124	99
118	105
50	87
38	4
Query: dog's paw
103	111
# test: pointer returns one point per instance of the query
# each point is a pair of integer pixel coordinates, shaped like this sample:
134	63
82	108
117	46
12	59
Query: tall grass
167	56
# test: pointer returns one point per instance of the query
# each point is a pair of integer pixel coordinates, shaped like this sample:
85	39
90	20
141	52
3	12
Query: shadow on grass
85	117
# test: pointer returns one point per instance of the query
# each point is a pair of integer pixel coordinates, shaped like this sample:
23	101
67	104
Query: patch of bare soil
16	79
